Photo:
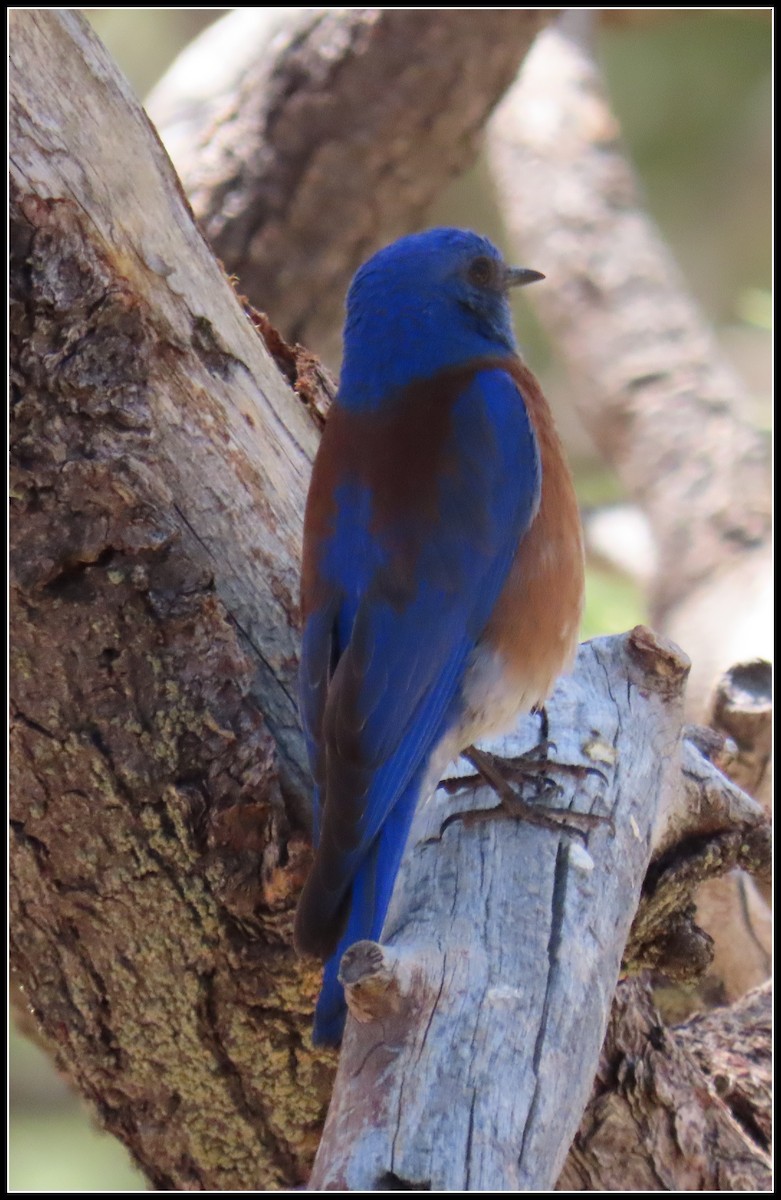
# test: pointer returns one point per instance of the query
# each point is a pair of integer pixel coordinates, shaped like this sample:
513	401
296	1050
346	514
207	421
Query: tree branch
453	1075
680	1110
159	784
322	136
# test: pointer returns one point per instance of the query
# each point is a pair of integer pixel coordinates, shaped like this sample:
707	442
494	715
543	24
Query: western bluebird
442	578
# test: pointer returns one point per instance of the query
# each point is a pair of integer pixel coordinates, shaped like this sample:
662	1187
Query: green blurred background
693	93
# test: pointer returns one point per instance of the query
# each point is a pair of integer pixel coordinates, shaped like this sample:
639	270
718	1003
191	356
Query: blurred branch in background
663	406
306	141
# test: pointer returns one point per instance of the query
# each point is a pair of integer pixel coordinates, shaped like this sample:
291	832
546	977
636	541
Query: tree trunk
160	462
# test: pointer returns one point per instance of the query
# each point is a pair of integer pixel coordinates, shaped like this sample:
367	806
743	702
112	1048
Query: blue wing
403	597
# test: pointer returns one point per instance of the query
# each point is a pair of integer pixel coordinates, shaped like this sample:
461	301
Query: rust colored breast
535	624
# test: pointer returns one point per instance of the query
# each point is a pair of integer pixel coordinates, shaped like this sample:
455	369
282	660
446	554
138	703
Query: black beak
520	276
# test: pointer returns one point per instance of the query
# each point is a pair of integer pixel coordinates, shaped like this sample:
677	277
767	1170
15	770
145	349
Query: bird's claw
557	820
495	773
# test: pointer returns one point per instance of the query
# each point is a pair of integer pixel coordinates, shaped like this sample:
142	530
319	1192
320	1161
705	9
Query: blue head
428	302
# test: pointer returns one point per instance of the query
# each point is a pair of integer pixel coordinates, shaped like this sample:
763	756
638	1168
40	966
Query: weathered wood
504	944
306	139
708	801
476	1025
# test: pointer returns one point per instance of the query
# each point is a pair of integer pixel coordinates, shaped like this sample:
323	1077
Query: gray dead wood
306	141
480	1018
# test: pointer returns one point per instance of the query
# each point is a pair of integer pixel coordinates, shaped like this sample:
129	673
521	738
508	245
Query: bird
442	571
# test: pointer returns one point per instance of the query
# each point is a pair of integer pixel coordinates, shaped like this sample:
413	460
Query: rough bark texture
678	1109
471	1058
304	143
159	469
733	1047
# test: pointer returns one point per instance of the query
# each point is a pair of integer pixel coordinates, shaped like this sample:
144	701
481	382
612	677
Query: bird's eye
482	271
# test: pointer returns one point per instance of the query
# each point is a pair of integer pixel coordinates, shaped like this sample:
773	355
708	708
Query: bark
680	1110
319	137
159	469
733	1046
468	1060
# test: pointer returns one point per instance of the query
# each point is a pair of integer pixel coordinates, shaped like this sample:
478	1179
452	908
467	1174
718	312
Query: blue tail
371	894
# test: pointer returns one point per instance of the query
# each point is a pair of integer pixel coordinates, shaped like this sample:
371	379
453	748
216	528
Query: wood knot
686	951
742	705
368	975
664	664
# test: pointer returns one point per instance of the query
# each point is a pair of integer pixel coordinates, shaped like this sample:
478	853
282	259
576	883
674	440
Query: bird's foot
532	766
537	761
499	773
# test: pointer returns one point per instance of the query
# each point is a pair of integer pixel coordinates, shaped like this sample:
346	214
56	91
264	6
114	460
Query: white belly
492	700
